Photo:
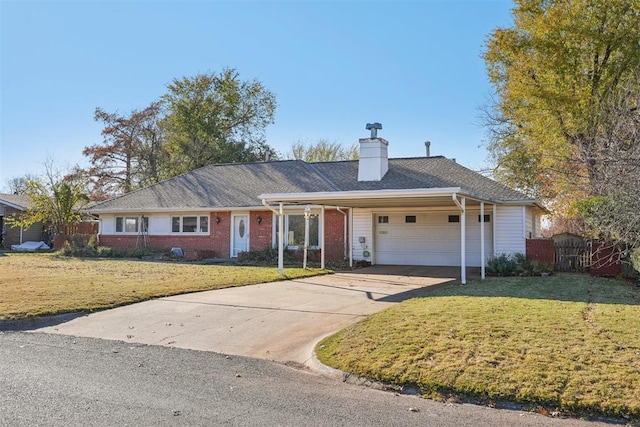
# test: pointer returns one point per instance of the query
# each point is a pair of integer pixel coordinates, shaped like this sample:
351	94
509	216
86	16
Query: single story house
408	211
14	205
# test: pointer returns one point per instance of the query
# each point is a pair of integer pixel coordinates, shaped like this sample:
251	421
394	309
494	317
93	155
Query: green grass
569	342
44	284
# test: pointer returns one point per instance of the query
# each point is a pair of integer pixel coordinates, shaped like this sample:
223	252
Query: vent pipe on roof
427	146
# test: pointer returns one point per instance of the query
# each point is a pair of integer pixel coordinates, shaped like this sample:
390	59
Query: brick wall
334	234
542	250
260	237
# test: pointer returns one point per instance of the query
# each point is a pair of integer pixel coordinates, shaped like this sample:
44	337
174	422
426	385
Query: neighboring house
411	211
14	205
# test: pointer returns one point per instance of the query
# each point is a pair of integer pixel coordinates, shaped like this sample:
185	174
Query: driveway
279	321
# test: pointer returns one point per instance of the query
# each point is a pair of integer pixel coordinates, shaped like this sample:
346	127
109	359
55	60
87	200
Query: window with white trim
190	224
294	231
131	224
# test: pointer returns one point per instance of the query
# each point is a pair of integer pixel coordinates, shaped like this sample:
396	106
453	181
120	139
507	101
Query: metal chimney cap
373	127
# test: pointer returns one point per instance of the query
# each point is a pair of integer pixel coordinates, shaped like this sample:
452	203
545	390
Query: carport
446	198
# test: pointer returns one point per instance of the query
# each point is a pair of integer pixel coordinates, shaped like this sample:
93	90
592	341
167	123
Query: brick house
413	211
14	205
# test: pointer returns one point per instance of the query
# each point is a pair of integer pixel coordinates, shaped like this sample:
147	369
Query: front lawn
568	343
44	284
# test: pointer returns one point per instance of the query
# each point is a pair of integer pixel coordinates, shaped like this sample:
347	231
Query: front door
240	235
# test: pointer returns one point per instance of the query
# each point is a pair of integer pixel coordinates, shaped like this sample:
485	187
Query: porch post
463	241
281	240
482	267
322	239
307	214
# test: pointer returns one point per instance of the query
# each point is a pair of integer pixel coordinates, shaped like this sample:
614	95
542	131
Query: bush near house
517	265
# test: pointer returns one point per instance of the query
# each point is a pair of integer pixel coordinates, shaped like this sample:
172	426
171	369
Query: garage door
429	238
417	239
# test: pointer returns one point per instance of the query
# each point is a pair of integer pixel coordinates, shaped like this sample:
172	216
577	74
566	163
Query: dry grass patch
43	284
567	342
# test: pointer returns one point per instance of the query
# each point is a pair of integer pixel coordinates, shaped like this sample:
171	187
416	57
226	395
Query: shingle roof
239	184
16	200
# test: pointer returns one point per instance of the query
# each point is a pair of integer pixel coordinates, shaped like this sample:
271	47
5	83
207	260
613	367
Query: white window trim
124	218
286	233
190	233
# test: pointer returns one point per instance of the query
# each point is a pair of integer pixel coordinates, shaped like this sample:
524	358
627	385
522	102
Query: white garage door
426	238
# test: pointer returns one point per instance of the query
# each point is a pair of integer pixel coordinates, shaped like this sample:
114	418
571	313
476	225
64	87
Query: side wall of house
510	223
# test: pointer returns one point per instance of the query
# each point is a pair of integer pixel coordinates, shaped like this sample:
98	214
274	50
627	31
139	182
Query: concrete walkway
279	321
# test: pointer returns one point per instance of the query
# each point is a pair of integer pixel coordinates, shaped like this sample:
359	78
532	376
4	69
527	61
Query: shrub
517	265
266	256
502	265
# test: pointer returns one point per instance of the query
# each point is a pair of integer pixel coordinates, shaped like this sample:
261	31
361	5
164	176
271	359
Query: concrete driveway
279	321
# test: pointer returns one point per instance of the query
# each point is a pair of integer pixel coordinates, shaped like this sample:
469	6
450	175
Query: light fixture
217	220
259	219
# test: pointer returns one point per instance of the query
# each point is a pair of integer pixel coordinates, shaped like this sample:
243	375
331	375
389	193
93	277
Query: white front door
240	235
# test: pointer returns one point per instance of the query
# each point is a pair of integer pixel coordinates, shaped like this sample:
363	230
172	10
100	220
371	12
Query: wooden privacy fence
572	255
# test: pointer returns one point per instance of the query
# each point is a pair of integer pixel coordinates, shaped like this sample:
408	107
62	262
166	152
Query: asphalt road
57	380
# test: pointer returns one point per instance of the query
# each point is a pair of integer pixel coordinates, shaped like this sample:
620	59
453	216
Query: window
189	224
454	218
487	218
294	231
383	219
131	224
410	219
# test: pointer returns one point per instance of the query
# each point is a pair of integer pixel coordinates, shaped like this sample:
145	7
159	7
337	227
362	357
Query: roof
16	201
238	185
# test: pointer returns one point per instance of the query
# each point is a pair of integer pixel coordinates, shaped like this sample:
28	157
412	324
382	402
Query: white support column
482	256
322	246
281	240
463	241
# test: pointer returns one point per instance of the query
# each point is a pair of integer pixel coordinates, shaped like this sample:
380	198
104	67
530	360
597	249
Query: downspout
322	246
344	235
280	214
351	240
21	234
463	237
482	266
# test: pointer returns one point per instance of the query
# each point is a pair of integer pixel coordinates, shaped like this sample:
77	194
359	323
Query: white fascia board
13	205
359	194
176	210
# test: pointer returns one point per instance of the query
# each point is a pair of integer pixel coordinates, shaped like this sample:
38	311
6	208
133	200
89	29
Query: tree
131	155
560	74
18	184
323	151
53	200
218	118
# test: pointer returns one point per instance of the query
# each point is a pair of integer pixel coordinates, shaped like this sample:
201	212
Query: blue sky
414	66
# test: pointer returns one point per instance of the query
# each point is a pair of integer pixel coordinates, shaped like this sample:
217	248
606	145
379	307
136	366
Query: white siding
362	227
160	225
533	222
510	230
107	224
